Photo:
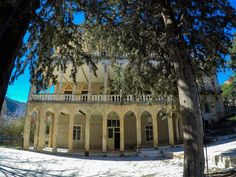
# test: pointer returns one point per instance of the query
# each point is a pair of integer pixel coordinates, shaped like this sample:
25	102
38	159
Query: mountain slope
13	109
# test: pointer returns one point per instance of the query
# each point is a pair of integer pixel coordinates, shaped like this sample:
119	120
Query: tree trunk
189	101
191	114
14	20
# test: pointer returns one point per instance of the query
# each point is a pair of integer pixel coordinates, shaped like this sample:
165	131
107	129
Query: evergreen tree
165	41
170	41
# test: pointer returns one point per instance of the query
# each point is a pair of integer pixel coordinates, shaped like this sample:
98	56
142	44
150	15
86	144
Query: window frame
150	129
80	138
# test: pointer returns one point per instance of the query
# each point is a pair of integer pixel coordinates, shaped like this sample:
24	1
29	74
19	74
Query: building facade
89	116
212	104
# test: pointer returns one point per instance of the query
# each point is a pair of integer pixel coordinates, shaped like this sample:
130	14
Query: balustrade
96	98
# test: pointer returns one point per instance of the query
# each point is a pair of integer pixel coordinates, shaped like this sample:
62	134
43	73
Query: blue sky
19	90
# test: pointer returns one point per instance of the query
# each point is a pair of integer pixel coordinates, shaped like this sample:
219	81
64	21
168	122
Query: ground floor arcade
99	127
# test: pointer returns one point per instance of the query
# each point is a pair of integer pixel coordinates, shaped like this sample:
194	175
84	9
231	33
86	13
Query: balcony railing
97	98
207	89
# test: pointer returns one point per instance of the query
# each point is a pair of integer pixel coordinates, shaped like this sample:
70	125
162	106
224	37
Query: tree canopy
167	43
229	90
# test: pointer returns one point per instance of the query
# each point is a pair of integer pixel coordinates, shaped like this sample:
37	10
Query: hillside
13	109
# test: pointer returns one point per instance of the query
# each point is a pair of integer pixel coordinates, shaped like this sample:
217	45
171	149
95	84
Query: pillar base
54	150
70	151
26	147
86	153
122	153
40	149
104	154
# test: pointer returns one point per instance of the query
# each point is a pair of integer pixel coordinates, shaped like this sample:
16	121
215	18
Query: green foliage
14	128
233	54
229	90
232	119
53	40
137	31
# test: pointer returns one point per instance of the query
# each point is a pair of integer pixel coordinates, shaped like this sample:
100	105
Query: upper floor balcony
209	89
86	98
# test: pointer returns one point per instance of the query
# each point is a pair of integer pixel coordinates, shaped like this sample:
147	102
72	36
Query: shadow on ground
7	170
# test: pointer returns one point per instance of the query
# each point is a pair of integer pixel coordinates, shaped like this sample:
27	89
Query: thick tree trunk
189	101
14	20
191	114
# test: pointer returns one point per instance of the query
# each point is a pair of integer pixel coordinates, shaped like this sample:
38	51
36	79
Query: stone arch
79	122
130	130
115	114
146	129
111	111
50	110
34	127
178	128
36	110
96	127
162	127
49	119
134	111
64	111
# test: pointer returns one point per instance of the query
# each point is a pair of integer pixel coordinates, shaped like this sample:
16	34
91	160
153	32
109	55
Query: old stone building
90	117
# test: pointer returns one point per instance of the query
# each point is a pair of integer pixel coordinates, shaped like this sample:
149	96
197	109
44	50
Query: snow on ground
24	163
217	148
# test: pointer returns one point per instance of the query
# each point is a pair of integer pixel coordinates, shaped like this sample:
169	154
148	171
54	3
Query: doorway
117	138
113	128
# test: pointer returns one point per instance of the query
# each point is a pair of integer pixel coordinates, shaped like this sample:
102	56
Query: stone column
50	136
36	134
177	128
104	134
122	137
138	126
155	130
171	131
54	142
42	131
70	135
27	132
105	81
87	134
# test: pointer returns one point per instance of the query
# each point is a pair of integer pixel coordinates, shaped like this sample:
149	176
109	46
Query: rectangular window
110	132
109	123
207	107
118	123
114	123
149	133
218	108
77	133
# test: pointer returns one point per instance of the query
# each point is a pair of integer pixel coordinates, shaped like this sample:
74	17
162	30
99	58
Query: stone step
154	153
226	159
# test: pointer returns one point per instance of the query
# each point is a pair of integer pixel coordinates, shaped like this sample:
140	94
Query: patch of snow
25	163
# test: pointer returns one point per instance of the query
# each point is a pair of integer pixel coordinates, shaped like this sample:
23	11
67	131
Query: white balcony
96	98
